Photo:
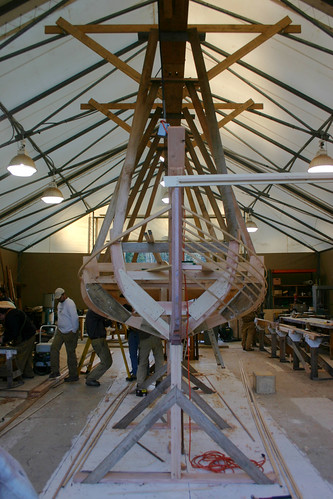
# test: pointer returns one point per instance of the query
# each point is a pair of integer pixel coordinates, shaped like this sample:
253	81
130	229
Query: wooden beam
99	49
235	113
145	100
134	436
189	105
246	49
231	208
93	104
145	28
227	445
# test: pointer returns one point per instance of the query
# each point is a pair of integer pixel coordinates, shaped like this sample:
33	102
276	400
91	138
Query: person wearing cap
19	332
67	332
4	295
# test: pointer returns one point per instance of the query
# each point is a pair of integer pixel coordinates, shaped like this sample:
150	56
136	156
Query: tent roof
45	78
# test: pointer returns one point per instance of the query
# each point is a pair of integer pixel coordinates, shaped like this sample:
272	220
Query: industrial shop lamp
52	195
251	226
321	163
22	165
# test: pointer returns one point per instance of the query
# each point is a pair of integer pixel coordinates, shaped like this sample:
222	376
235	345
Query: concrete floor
299	416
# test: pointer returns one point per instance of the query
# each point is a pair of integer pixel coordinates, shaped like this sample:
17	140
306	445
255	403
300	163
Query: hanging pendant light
251	226
52	195
321	163
22	165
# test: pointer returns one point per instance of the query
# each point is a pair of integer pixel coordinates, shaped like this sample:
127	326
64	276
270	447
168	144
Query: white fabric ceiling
45	78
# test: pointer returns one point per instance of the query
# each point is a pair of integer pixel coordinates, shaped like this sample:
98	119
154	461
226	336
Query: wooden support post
176	162
282	344
273	342
261	337
314	362
9	372
295	357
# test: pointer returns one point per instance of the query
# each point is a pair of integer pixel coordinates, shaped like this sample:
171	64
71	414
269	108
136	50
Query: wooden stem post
176	161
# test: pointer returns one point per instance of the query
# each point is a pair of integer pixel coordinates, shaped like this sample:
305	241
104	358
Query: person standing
20	332
248	331
133	340
95	327
148	343
67	332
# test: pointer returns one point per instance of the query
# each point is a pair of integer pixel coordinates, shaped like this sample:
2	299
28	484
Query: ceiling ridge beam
145	28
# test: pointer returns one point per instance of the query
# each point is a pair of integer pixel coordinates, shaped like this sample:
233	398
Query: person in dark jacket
133	340
95	327
19	332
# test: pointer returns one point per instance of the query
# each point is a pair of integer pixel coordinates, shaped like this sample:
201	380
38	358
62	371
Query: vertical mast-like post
176	161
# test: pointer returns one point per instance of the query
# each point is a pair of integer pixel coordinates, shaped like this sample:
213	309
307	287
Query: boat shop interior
167	166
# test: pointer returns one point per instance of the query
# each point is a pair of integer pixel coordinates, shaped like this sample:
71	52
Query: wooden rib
98	48
149	129
208	189
145	100
189	105
119	236
209	162
145	28
246	49
142	194
200	201
197	222
142	173
231	208
198	106
149	207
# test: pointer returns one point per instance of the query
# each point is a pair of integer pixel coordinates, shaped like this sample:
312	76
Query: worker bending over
95	327
20	333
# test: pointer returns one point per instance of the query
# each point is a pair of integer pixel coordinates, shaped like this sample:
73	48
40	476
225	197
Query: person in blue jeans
133	348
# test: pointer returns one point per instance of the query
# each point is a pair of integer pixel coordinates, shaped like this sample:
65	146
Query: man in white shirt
67	332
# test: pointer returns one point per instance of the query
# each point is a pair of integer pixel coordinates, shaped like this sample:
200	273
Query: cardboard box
276	281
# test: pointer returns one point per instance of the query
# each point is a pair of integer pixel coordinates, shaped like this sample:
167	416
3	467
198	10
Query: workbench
7	370
281	334
324	326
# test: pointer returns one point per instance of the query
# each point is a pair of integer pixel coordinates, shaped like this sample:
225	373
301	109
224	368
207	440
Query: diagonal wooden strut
160	389
176	398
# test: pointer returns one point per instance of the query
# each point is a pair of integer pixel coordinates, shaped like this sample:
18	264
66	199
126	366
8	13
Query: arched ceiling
48	79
